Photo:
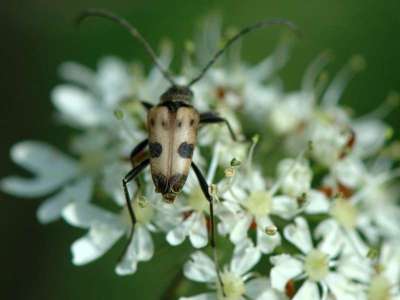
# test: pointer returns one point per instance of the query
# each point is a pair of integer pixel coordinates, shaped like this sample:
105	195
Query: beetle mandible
172	126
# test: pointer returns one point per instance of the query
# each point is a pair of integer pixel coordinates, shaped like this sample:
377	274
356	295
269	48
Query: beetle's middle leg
132	174
136	157
212	118
204	188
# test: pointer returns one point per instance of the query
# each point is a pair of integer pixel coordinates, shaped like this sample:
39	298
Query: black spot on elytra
191	122
152	122
155	149
179	123
185	150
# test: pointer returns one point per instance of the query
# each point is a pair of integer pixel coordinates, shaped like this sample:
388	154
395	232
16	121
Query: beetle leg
204	188
137	150
129	177
135	158
146	105
211	118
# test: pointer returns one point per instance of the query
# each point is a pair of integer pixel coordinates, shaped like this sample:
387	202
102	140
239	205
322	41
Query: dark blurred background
36	36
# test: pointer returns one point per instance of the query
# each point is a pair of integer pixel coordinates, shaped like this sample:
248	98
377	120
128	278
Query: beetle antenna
132	30
244	31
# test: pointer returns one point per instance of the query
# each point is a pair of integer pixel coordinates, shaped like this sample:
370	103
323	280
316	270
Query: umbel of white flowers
323	209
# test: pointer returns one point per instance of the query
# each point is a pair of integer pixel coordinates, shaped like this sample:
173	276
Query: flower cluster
306	207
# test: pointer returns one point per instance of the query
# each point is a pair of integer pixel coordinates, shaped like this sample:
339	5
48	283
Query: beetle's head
177	93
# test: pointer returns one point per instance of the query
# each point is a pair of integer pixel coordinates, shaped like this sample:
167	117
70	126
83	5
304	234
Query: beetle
172	126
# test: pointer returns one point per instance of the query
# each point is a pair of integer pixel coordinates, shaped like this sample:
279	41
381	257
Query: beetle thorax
177	93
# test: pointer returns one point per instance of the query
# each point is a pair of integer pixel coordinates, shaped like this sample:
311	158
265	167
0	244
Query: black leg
211	118
139	148
146	105
204	188
134	158
129	177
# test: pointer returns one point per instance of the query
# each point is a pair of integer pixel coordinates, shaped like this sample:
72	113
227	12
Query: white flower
314	265
248	205
106	228
381	277
296	177
370	135
94	96
238	283
53	172
350	171
329	140
291	113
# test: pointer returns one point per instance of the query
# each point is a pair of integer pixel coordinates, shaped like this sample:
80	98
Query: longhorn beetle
172	126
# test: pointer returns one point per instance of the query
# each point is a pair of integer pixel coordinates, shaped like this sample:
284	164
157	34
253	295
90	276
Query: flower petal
93	245
198	232
177	235
85	215
299	234
77	73
52	168
143	243
128	264
342	288
317	202
239	231
113	80
51	209
285	268
200	268
77	106
370	136
284	206
245	256
308	291
332	237
256	287
267	243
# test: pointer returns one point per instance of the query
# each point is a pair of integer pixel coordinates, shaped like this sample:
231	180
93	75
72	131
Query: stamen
271	230
316	265
249	160
391	102
314	69
269	66
279	182
336	88
214	163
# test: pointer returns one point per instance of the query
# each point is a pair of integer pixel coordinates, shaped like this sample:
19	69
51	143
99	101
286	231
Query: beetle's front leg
212	118
146	105
129	177
204	188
